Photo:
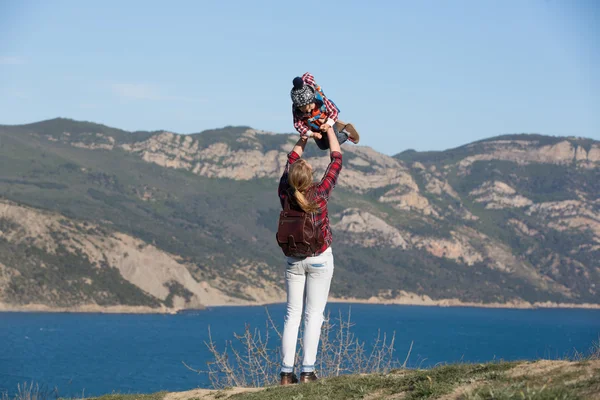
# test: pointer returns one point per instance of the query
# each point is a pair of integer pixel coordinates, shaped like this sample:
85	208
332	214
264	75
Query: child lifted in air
314	113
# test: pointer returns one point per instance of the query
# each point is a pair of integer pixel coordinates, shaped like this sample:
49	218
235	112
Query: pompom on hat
301	93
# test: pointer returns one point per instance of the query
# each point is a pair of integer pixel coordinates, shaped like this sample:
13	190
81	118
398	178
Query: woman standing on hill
307	277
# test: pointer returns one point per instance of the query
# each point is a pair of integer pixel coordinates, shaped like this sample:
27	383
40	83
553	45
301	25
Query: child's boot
353	135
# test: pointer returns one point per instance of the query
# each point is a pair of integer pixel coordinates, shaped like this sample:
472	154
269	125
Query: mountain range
98	218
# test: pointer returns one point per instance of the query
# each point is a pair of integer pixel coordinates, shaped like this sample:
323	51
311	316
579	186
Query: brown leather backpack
297	234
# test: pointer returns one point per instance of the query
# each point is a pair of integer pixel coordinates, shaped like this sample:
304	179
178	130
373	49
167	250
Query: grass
152	396
565	383
497	380
540	380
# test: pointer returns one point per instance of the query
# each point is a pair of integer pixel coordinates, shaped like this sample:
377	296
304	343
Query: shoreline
86	309
420	301
520	305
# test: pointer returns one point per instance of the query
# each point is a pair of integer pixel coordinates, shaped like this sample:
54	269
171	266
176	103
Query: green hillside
86	172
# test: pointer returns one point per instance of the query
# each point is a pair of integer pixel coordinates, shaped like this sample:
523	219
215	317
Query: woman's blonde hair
301	178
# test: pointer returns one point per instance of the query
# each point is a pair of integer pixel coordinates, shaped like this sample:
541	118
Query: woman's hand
325	127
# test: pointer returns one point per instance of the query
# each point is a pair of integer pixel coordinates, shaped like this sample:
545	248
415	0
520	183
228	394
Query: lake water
96	354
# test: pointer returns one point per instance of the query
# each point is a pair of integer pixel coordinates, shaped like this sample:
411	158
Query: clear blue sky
427	75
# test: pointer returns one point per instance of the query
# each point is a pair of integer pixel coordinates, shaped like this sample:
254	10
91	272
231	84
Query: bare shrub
251	359
341	352
593	353
31	391
595	350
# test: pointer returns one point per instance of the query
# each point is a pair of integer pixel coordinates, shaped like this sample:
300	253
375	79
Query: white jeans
307	282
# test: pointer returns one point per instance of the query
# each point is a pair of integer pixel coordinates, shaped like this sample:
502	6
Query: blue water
96	354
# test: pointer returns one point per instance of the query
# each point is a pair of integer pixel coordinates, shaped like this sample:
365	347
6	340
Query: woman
308	277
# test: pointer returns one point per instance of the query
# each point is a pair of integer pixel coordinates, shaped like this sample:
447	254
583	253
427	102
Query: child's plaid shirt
300	118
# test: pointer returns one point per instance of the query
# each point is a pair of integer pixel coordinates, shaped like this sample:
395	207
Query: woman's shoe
288	378
306	377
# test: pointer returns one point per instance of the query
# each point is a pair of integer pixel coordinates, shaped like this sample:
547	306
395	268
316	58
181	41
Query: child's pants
323	143
307	282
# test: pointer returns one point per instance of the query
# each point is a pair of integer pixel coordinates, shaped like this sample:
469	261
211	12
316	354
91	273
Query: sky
423	75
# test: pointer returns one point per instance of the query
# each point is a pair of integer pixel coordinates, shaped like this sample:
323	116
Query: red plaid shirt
300	118
322	192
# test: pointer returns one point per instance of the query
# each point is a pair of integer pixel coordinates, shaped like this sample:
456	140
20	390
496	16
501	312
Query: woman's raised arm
334	145
335	166
300	145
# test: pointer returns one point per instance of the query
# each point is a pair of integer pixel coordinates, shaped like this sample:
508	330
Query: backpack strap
319	94
292	243
286	201
290	194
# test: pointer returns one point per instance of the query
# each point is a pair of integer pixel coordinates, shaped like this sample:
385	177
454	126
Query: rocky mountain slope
96	216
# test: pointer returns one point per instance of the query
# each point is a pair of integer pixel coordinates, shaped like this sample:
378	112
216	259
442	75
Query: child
314	113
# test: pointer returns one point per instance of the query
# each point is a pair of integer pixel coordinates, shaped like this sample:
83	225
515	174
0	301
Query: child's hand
325	128
317	135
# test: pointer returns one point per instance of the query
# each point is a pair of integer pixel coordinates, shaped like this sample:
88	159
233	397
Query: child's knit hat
302	94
